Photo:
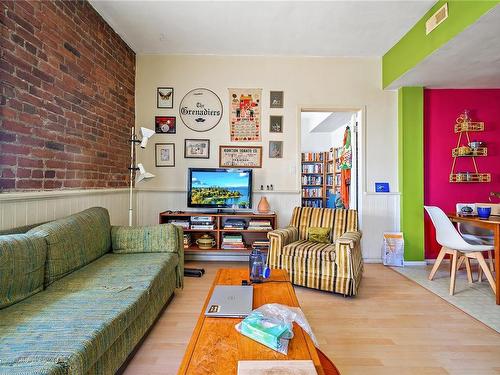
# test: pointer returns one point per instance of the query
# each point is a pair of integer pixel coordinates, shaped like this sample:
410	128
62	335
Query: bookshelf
220	230
313	179
320	176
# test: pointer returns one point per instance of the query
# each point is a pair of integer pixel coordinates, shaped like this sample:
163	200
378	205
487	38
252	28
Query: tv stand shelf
249	235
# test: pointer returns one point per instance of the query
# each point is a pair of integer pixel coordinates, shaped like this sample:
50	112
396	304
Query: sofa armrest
350	238
279	238
163	238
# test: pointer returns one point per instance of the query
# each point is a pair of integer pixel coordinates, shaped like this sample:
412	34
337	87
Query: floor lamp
142	175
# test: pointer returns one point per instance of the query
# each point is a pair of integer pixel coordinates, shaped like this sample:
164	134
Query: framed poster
165	154
240	156
197	148
244	114
200	110
165	124
275	149
275	124
276	99
165	97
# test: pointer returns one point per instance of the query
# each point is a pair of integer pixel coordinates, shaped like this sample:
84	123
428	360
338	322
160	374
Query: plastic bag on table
272	325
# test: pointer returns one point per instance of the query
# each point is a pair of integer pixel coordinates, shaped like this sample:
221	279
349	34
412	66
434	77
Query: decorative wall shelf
468	126
470	177
480	151
464	125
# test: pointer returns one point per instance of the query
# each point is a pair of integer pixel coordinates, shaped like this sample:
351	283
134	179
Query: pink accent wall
441	108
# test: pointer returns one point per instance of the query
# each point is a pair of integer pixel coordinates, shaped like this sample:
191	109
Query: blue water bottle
256	266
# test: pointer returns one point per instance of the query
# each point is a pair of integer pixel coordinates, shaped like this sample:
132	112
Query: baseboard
372	260
415	263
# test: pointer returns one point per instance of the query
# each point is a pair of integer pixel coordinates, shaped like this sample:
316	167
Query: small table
493	224
216	347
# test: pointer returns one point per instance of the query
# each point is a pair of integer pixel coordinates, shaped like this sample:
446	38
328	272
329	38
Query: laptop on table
230	301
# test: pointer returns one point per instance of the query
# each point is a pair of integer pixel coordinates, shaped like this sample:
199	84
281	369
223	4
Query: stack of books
260	225
202	222
187	240
262	245
232	241
184	224
234	224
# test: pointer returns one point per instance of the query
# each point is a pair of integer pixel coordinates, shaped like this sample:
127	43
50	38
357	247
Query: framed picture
200	110
165	154
197	148
165	97
275	149
276	99
240	156
275	124
165	124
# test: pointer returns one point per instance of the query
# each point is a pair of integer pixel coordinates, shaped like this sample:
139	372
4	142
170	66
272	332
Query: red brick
29	184
66	99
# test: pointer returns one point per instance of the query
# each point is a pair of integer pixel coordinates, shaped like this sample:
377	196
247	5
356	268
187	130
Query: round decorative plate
200	110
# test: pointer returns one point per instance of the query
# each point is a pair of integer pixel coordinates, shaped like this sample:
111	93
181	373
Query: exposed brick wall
67	97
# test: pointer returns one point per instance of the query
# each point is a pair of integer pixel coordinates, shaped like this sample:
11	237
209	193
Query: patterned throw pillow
318	234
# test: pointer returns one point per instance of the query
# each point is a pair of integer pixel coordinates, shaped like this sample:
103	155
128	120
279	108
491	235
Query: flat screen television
219	188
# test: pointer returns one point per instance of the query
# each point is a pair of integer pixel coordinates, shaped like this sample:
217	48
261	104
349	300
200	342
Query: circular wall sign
200	110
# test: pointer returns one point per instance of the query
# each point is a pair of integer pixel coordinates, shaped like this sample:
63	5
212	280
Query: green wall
411	169
415	46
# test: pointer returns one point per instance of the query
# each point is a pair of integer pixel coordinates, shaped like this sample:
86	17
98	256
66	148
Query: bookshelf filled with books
222	233
320	177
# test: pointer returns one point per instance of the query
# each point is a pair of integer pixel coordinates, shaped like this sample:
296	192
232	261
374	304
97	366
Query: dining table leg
497	261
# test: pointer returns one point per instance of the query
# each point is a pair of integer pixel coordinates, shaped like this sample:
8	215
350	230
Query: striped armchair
335	267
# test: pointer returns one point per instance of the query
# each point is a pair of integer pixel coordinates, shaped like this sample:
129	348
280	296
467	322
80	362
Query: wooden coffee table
216	347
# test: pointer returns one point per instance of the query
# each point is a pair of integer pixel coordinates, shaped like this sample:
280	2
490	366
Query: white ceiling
470	60
294	28
325	122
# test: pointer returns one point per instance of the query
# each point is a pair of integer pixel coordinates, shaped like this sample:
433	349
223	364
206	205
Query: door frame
361	145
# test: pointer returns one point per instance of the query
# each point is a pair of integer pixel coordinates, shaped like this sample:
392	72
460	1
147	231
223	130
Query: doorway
329	159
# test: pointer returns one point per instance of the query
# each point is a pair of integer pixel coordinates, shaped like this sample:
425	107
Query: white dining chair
460	250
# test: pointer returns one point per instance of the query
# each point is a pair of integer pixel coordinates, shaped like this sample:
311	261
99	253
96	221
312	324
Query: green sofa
77	294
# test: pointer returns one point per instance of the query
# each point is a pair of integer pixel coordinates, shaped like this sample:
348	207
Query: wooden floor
393	326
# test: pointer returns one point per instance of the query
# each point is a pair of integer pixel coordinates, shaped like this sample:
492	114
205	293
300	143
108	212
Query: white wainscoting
18	209
380	212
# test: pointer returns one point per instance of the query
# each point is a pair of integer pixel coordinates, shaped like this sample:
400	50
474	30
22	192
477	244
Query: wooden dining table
493	224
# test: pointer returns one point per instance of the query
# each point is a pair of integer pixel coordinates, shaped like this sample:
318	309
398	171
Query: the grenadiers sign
200	110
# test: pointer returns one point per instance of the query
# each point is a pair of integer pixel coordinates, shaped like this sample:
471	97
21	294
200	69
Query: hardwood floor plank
393	326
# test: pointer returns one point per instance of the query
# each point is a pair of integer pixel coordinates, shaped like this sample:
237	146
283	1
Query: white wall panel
17	209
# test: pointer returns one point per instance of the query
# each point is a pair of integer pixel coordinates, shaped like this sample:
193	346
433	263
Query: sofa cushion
74	241
22	261
153	239
32	368
75	320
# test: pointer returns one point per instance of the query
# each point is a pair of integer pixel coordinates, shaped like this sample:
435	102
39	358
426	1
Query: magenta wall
441	108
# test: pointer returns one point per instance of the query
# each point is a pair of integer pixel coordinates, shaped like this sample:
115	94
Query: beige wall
312	83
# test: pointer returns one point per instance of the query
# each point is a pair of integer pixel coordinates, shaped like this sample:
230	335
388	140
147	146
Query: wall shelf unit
464	125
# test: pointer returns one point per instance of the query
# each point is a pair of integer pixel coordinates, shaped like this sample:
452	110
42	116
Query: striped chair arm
350	238
348	255
278	239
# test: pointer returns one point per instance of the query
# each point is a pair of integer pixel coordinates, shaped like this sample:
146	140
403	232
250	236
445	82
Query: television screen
220	188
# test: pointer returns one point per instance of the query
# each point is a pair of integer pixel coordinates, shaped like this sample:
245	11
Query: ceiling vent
436	19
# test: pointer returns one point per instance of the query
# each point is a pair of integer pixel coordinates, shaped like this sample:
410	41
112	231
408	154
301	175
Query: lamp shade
143	175
146	134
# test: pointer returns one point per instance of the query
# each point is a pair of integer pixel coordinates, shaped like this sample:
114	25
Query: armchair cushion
310	250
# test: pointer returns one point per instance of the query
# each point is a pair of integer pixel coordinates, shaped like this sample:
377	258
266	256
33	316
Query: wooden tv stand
249	236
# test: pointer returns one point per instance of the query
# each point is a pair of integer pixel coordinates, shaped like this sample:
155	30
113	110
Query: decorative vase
263	206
